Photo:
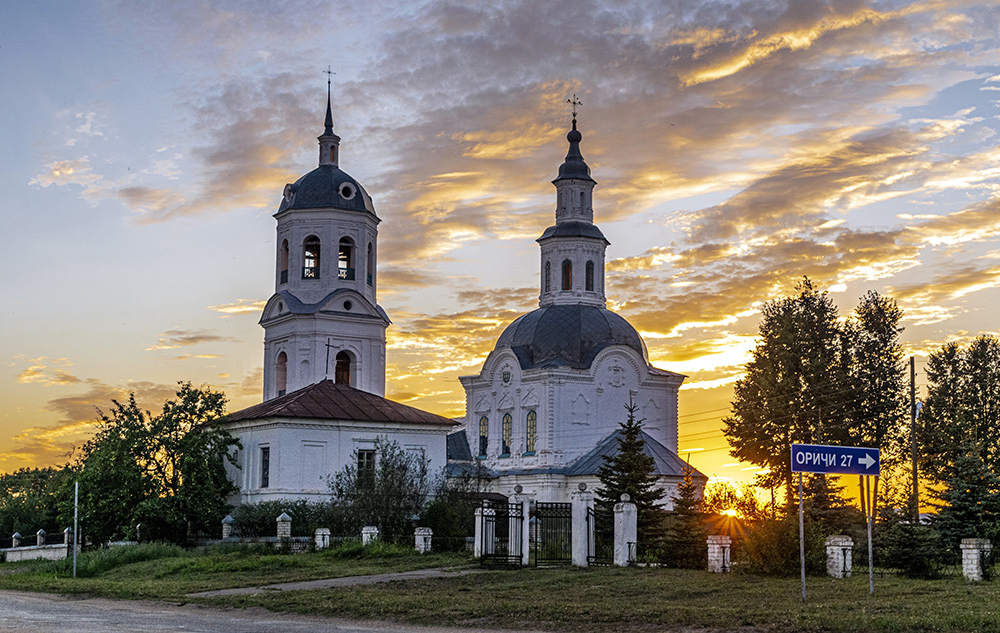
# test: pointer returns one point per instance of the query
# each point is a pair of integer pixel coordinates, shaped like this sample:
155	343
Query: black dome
567	336
325	187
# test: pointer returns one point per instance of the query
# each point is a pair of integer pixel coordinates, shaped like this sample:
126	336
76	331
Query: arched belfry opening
567	275
281	373
345	260
342	370
310	258
371	264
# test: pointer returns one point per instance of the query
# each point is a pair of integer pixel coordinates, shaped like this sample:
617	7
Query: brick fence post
839	556
718	553
973	550
284	525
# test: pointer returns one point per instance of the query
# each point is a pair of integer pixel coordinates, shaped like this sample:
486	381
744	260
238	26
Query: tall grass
96	562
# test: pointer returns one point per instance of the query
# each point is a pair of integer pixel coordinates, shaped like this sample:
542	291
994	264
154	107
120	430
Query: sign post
837	460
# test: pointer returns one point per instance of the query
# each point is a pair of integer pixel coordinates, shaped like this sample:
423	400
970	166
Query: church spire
573	248
329	142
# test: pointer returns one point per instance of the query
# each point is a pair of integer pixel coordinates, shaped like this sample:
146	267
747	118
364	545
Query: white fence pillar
525	535
626	524
422	539
284	525
718	553
227	526
582	501
839	556
369	533
477	545
973	551
322	538
40	537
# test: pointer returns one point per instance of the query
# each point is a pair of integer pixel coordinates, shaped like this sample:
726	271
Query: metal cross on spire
575	102
329	75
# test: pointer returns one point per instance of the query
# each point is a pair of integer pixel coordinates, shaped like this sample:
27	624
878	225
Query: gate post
839	549
477	546
626	519
525	528
582	502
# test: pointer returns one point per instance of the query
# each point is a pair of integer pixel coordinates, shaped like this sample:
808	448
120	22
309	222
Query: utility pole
913	441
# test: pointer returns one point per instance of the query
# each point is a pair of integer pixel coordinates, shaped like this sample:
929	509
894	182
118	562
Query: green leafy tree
632	471
388	494
962	411
29	500
164	471
685	540
451	513
797	387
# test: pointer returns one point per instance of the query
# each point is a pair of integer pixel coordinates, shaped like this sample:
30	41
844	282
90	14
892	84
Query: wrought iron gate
553	533
600	536
502	522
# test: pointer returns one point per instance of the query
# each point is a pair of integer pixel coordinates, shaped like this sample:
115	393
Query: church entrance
553	530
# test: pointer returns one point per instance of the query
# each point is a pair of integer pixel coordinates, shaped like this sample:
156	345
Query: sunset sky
737	146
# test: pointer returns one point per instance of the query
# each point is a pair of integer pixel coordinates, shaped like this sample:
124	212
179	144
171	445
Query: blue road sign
835	460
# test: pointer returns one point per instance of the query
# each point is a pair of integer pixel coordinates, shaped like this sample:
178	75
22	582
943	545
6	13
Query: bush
771	548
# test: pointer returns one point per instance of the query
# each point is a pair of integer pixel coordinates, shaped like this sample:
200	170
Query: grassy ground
655	599
165	572
598	599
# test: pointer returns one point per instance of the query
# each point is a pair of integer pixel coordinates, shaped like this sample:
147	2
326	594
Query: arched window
581	200
283	262
567	275
342	373
281	373
310	258
589	275
345	261
530	432
371	264
548	276
506	430
484	435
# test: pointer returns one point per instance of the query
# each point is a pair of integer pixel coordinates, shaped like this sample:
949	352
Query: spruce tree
685	541
631	471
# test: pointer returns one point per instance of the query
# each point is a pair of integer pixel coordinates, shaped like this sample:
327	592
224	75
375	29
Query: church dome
567	336
326	186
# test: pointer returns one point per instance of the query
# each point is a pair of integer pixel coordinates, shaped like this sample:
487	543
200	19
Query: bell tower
323	320
573	249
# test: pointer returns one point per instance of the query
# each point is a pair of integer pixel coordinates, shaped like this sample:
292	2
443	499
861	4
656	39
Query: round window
347	191
348	305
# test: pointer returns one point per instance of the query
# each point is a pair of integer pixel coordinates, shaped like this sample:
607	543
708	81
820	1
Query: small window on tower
283	262
567	275
590	275
310	258
371	264
548	276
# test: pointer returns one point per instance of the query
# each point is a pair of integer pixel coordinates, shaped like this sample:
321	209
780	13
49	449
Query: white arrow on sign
867	460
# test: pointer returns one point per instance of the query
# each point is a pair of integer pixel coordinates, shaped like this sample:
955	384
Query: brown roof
329	401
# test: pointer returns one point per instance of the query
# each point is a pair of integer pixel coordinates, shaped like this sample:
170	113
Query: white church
542	412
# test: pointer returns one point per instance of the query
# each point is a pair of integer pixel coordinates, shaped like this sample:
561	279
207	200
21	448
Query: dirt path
337	582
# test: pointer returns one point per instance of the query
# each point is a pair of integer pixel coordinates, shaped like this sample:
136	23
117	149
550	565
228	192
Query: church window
342	373
283	262
581	200
265	466
484	435
567	275
505	435
531	433
281	373
590	275
548	276
371	263
366	460
310	258
345	261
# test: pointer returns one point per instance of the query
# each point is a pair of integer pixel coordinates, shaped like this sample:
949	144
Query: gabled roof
666	463
326	400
